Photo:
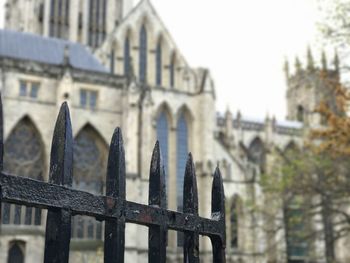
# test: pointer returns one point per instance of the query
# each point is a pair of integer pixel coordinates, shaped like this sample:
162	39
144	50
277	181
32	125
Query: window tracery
24	156
97	22
59	18
89	166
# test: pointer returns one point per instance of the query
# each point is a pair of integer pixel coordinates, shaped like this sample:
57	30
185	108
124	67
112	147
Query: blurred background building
118	65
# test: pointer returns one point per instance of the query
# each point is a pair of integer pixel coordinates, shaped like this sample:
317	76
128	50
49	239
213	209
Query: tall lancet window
90	162
24	156
127	58
181	157
234	224
97	22
163	138
112	60
159	63
59	18
143	55
172	71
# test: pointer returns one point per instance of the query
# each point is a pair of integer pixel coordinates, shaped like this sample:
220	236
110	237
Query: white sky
243	43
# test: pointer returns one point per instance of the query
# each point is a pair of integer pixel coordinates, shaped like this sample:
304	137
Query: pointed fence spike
218	213
157	235
114	244
190	206
58	225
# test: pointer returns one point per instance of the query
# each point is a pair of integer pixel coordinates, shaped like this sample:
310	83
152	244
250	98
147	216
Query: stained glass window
181	154
34	90
16	254
300	113
296	232
97	22
24	156
143	55
29	89
59	18
127	56
89	166
163	138
172	71
88	98
22	88
257	153
234	224
159	64
112	60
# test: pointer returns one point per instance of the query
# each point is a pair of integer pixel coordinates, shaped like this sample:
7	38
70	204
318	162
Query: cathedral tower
84	21
308	86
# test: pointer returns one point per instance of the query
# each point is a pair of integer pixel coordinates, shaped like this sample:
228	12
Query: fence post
114	244
58	225
1	153
218	213
157	235
190	206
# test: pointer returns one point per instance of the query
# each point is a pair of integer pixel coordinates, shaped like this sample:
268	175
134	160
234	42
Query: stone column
73	20
46	24
85	29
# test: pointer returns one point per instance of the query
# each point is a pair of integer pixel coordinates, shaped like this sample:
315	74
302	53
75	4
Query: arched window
97	22
143	55
234	224
89	168
172	71
112	60
181	157
296	232
257	153
59	18
16	252
23	156
127	58
163	138
159	63
300	113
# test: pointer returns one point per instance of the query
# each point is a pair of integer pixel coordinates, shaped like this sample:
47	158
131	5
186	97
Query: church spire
310	59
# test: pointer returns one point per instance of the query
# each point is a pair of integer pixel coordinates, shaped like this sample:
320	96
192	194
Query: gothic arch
89	169
189	117
183	146
143	54
90	158
164	107
163	124
24	155
291	146
16	252
256	152
128	43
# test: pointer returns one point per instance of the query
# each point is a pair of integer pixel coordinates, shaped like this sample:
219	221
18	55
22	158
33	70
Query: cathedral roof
26	46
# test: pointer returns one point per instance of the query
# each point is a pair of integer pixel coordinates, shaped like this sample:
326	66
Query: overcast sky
243	43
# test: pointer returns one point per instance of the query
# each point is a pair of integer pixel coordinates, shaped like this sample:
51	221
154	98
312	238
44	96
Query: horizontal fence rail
63	202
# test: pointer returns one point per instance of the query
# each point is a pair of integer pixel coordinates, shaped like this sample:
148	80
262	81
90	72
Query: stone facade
146	82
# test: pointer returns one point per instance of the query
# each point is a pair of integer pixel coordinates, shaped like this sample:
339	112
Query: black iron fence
63	202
